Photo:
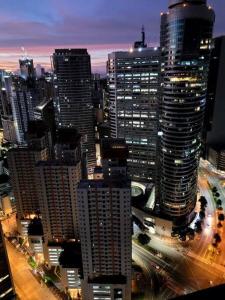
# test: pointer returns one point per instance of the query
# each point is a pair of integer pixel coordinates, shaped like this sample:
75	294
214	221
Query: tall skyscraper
133	78
6	285
104	212
19	97
8	124
22	163
22	100
186	39
73	100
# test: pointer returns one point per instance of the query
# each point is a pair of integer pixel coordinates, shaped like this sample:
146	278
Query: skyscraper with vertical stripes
73	98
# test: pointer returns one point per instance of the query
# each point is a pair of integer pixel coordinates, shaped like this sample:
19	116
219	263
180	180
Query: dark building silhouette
207	294
214	129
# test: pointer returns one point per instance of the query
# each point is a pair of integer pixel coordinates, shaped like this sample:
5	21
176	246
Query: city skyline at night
101	28
112	150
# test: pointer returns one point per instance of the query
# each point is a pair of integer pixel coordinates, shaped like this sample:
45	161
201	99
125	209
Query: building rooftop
111	279
114	149
56	163
113	182
55	244
173	3
69	137
43	104
35	227
36	129
98	169
71	257
69	51
23	149
136	52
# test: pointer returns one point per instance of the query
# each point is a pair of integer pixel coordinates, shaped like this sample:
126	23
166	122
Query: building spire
141	44
143	35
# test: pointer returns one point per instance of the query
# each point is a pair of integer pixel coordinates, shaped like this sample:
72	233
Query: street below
26	285
192	265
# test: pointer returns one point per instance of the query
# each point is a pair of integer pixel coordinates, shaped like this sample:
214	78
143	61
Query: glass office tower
186	35
133	78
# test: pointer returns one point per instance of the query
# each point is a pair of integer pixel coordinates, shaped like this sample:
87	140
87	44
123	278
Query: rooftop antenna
24	52
141	44
143	34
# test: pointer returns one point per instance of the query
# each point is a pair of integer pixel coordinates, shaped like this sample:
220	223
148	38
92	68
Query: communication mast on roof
141	44
25	56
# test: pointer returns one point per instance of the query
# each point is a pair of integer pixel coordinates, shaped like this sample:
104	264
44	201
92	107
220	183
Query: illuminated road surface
190	266
27	286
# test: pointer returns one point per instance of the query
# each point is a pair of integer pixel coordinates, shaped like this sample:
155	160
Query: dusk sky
102	26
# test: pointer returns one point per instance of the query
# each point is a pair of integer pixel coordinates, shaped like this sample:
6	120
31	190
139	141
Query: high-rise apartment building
133	79
186	41
22	101
105	232
6	285
22	161
8	124
73	99
57	180
104	213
